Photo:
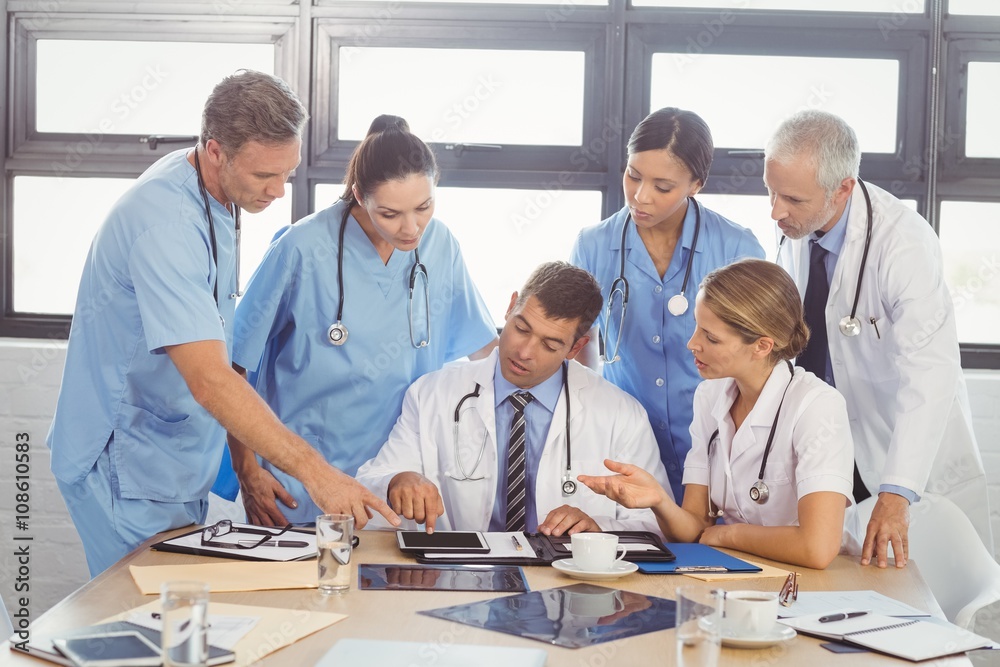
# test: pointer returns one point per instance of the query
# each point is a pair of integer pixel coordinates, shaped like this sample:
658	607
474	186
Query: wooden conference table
392	614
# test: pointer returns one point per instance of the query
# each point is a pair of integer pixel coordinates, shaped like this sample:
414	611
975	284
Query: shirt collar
546	393
833	240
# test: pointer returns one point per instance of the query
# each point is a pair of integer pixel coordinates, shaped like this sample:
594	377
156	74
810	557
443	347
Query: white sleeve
633	442
702	428
824	449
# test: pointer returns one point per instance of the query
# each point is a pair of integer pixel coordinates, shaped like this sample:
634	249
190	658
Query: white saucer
620	569
779	633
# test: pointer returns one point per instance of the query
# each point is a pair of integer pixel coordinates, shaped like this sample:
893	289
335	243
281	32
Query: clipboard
694	558
190	543
542	549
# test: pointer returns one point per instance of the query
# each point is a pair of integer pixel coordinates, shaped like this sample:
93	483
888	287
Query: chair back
960	571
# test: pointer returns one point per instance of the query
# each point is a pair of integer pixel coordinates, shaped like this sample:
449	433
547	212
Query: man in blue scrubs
148	389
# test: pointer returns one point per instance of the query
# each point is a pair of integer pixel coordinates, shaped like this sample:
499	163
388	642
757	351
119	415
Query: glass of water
334	533
699	626
185	623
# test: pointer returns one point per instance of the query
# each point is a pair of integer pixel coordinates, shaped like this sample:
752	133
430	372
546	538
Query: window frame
618	41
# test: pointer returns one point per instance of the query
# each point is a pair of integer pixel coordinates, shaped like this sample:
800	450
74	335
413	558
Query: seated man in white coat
497	444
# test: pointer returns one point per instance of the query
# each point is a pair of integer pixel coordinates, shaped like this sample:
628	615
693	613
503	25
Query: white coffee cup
595	552
750	614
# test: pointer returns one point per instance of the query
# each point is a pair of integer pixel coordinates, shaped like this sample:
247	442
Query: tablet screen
124	648
446	540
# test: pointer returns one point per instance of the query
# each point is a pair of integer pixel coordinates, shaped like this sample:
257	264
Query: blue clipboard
690	556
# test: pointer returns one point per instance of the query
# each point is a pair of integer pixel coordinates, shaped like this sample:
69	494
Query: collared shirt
537	419
655	366
148	283
812	448
343	400
833	242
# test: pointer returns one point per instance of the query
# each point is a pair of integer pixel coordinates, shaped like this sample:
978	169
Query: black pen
292	544
841	616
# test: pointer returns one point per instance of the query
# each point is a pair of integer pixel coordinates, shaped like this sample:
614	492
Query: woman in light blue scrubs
671	242
349	306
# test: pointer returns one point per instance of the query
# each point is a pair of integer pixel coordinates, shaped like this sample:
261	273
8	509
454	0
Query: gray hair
825	139
252	106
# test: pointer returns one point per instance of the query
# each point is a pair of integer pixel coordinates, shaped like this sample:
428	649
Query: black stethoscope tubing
337	333
849	325
211	233
853	325
568	483
759	492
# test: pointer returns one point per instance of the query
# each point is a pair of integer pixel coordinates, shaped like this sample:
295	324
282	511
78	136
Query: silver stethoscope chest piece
759	492
677	305
850	326
337	333
568	487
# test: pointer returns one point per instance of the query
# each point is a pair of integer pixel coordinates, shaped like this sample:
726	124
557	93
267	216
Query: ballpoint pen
517	545
294	544
840	617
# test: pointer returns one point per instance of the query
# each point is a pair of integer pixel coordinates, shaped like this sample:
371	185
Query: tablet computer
112	649
442	541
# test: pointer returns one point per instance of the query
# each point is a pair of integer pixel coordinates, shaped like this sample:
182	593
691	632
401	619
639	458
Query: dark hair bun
388	122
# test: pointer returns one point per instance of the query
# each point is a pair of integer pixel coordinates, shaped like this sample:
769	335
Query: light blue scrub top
147	283
537	420
344	400
656	367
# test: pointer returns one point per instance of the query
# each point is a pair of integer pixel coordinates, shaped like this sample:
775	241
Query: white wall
30	372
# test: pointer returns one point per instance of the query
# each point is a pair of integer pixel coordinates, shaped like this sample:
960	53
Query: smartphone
442	541
112	649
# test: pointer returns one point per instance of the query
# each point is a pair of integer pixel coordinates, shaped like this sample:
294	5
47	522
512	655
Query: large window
527	105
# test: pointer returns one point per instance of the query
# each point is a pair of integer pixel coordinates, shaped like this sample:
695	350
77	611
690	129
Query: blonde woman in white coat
789	503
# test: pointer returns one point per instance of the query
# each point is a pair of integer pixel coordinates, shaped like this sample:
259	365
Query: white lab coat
811	450
605	423
902	375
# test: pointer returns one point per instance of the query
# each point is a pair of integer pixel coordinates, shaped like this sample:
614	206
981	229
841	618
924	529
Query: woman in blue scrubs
349	306
671	242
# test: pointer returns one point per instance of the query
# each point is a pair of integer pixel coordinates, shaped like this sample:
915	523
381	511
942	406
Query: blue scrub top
344	400
656	367
148	282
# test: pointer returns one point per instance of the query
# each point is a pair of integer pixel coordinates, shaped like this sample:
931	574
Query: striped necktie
515	463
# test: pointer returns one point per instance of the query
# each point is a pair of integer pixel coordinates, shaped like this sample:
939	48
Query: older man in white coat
497	444
883	329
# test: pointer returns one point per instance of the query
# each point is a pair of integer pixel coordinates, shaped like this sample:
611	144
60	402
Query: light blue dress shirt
344	400
147	283
833	243
537	419
655	366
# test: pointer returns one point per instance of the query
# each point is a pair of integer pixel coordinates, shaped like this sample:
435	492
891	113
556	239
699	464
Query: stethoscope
677	305
568	483
337	333
850	325
759	493
211	233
